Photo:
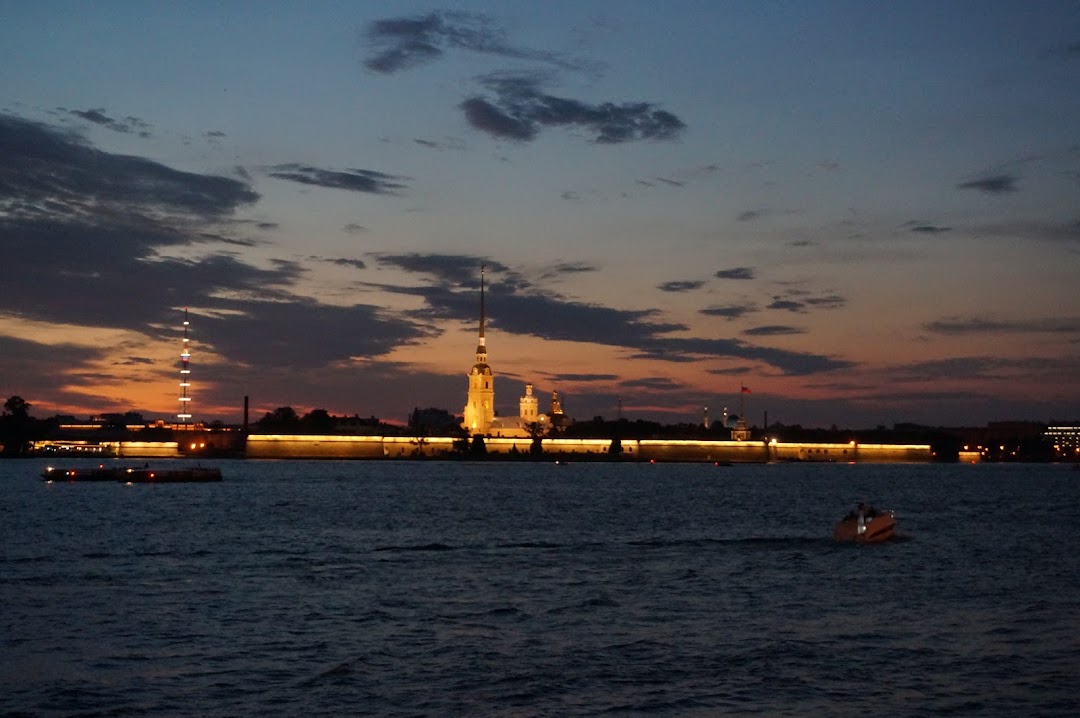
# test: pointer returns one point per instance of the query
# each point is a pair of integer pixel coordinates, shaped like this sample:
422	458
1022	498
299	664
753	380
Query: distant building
1065	438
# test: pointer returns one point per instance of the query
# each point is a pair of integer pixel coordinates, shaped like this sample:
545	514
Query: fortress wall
290	446
862	453
894	453
813	452
403	447
147	449
733	451
301	446
563	446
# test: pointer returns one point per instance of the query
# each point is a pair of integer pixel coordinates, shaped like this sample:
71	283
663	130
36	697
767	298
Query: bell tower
529	406
480	407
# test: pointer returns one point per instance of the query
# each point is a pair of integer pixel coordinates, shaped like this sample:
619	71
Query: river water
520	589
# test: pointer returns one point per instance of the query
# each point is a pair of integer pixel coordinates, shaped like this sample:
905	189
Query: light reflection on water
431	588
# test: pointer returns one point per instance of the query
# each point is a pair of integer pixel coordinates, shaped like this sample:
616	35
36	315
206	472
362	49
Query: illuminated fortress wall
296	446
865	453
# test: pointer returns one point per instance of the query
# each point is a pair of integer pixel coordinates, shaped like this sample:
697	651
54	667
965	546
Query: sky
866	213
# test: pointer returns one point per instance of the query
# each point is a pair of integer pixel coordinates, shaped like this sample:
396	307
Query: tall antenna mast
185	374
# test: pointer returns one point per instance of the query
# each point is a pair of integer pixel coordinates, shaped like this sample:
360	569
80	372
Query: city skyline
865	213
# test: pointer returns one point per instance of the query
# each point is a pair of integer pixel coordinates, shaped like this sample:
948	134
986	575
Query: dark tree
318	421
536	432
16	427
280	419
17	407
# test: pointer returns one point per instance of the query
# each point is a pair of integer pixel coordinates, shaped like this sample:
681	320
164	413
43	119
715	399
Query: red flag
745	390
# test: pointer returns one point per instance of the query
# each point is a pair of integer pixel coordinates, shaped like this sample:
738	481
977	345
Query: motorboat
866	524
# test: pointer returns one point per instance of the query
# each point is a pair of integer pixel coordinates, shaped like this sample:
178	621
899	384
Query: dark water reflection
411	589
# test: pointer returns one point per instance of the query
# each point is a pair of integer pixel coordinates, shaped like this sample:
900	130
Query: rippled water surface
464	589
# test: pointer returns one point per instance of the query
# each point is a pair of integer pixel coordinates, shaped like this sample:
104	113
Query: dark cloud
736	273
342	262
405	42
751	214
996	184
571	196
582	377
243	224
304	334
135	361
733	311
681	286
43	369
974	325
982	367
519	110
731	371
97	223
671	182
829	301
787	305
804	301
1073	50
787	362
451	271
561	269
929	229
214	134
655	383
514	306
574	267
126	125
1048	231
488	118
772	330
353	180
967	368
354	228
47	172
953	368
444	144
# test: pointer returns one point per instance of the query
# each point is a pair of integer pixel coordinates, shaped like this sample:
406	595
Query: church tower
480	408
529	406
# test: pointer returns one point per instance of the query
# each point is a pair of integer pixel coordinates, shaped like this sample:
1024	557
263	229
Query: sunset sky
865	212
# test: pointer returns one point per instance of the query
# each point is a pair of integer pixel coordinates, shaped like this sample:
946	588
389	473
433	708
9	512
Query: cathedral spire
481	347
